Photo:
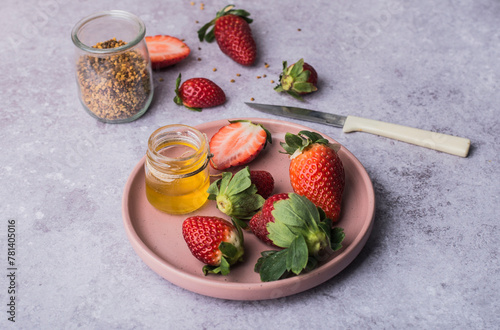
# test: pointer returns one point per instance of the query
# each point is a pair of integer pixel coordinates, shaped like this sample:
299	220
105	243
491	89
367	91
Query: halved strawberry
166	50
237	144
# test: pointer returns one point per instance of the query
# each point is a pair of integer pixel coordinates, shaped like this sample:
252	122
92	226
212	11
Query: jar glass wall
112	65
176	169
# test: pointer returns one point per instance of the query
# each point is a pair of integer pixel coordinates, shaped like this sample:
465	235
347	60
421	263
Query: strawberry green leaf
177	98
297	215
297	256
264	255
326	226
236	195
280	234
303	87
228	250
337	236
246	205
295	95
238	228
223	268
237	183
226	178
297	68
297	211
288	213
293	140
240	223
285	65
314	137
273	265
292	143
202	33
302	77
288	150
213	189
194	109
312	263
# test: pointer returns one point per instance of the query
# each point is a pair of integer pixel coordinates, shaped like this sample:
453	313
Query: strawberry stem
177	98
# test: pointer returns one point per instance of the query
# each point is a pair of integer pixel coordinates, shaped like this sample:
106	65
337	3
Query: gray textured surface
432	260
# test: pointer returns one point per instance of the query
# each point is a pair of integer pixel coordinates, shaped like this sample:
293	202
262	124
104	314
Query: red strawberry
298	79
198	93
316	171
258	223
233	34
237	144
264	182
293	223
214	241
236	196
166	50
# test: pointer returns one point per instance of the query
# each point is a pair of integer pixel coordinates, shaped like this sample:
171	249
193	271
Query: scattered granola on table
116	86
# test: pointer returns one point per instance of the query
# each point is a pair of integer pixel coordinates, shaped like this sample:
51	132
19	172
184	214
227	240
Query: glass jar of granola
113	68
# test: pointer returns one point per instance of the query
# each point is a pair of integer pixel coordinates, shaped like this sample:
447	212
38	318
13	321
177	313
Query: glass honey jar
176	169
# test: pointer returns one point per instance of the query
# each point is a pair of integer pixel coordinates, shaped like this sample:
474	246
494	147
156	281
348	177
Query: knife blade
450	144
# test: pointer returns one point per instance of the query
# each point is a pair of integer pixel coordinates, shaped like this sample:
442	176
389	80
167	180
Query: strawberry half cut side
166	50
238	144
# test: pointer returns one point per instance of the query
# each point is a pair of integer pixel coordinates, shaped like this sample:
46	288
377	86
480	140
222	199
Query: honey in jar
177	176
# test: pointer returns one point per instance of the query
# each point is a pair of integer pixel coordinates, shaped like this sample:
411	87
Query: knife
437	141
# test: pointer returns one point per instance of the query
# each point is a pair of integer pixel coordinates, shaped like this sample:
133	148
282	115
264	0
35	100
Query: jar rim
113	13
160	159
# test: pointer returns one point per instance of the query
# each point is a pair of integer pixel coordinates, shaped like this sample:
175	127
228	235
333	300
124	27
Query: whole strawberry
214	241
236	196
302	230
233	34
258	223
263	181
297	79
316	171
198	93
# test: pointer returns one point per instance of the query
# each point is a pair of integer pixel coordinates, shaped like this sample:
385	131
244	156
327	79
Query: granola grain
115	87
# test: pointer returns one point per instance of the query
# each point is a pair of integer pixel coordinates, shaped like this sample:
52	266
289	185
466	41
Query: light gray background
432	259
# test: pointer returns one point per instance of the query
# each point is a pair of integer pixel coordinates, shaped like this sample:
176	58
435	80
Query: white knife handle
442	142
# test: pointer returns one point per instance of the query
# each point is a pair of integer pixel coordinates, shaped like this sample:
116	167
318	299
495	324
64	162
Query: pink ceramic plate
157	237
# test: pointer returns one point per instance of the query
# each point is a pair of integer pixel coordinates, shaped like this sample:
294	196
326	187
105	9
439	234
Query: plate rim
156	263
